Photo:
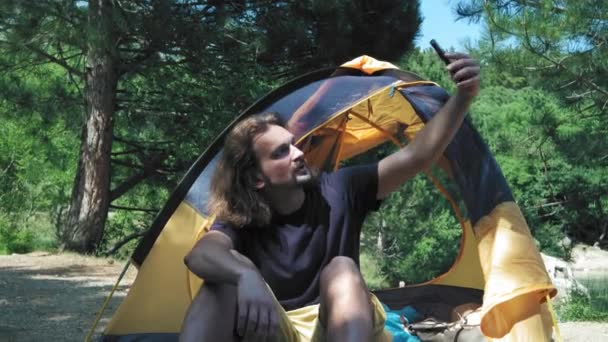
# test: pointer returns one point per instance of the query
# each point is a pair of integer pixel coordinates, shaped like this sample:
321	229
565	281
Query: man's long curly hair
234	197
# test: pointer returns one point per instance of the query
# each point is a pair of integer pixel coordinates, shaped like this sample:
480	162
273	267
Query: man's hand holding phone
463	69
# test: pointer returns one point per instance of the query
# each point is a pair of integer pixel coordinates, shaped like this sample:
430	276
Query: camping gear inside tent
336	114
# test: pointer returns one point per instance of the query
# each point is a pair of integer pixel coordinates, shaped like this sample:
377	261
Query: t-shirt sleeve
360	186
229	230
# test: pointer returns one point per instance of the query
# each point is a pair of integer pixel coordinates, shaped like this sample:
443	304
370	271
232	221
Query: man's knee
203	321
341	274
340	264
345	299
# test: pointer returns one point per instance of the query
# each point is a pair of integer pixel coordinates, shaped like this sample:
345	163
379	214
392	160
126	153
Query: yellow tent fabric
368	64
516	279
497	252
159	296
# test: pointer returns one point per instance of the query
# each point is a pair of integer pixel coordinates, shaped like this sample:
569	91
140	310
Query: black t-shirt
292	251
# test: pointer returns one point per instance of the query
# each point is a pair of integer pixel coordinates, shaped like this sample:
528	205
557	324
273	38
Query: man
281	232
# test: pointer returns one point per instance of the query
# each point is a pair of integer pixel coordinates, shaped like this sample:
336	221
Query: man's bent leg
346	308
211	315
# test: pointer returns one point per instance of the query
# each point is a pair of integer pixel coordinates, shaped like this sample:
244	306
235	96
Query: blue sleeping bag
395	327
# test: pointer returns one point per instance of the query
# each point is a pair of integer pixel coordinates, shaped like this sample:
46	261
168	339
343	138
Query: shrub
591	307
14	240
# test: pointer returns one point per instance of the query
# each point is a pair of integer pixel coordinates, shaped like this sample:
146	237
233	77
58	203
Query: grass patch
34	234
593	307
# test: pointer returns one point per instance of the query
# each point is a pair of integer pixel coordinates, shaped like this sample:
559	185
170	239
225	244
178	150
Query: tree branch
559	64
150	168
146	210
547	205
55	60
126	163
123	242
10	164
126	152
576	96
137	62
138	144
70	75
128	184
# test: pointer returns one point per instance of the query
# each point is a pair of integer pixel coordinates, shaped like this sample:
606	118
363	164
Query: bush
583	307
14	240
36	233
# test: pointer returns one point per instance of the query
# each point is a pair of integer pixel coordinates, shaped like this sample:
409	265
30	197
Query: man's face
281	163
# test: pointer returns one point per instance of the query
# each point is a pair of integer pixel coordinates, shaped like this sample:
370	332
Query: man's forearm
432	140
216	263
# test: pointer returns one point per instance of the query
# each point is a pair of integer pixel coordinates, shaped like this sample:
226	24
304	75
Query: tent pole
435	181
107	301
554	319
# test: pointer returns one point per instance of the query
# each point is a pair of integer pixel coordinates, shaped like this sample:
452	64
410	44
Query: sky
440	23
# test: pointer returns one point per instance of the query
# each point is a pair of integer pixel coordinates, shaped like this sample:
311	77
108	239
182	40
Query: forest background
105	104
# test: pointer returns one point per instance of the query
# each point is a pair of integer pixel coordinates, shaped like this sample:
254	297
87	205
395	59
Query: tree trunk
91	192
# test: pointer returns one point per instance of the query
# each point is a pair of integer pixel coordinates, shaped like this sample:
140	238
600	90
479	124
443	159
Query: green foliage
37	156
414	234
370	269
563	44
13	240
557	51
37	234
592	306
539	148
580	308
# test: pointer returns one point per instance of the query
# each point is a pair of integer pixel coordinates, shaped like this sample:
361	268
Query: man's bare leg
211	316
346	308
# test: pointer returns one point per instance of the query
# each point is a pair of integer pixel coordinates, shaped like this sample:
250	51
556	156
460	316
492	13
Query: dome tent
335	114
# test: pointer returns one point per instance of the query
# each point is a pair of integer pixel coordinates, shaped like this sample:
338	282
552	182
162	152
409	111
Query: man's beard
300	178
304	176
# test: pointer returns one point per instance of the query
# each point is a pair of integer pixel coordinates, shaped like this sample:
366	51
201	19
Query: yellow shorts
303	325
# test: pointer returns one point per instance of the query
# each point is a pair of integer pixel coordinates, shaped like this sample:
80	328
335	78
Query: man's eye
281	152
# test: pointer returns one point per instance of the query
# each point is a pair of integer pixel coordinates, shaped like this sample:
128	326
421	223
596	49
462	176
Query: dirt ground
56	297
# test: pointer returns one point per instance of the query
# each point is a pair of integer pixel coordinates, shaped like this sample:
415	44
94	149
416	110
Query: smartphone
440	51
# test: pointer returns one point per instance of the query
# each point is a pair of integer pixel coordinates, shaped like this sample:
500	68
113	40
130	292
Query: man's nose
297	153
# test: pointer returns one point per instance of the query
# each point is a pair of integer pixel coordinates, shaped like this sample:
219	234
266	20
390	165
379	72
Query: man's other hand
258	318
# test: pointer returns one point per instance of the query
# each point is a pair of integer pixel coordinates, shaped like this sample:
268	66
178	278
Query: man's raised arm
432	140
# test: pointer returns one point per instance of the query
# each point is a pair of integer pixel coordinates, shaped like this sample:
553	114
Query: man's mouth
302	169
302	174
